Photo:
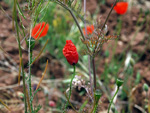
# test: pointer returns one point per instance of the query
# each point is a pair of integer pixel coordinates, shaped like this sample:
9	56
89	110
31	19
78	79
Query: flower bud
119	82
97	95
145	87
70	52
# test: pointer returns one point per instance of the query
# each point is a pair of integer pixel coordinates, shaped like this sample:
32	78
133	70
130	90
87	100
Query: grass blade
20	11
28	100
149	108
42	76
70	102
83	105
40	52
15	21
19	71
5	105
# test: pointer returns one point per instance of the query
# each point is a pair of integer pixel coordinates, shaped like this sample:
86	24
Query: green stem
77	23
119	26
95	108
70	103
74	17
30	61
70	87
20	52
97	96
94	73
31	51
24	87
112	100
72	80
30	89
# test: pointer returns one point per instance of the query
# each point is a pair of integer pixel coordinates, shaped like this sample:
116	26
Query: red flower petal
121	7
70	52
40	30
90	30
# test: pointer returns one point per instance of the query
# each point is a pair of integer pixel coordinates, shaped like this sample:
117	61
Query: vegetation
65	30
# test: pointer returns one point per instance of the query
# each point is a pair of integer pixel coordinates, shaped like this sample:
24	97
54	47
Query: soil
132	22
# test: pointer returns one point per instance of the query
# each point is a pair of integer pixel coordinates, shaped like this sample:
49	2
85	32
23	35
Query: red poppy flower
121	7
90	30
70	52
40	30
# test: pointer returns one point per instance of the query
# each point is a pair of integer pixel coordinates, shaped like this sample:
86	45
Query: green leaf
20	11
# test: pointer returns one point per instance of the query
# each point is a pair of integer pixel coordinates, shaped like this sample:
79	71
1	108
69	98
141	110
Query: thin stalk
74	17
109	14
95	108
20	52
112	99
89	62
76	21
68	99
5	105
105	24
28	101
31	51
24	85
72	80
29	69
70	103
94	73
119	26
85	16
